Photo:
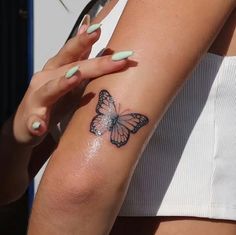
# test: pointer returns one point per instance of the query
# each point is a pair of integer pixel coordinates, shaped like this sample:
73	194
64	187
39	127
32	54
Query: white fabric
188	168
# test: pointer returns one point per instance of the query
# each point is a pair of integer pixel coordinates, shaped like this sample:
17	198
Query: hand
49	87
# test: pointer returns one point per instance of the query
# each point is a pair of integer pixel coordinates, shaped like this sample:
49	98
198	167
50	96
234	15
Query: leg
195	226
172	226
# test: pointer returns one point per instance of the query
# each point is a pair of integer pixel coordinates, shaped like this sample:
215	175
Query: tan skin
224	45
91	206
49	97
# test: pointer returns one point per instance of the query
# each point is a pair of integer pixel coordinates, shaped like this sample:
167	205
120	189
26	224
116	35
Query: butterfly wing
119	135
106	104
120	126
106	112
125	124
133	121
99	125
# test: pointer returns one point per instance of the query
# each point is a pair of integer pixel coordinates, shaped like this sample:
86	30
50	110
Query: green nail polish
36	125
72	72
93	28
122	55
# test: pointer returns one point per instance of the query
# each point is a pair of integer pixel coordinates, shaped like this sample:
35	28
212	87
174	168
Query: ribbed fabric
188	168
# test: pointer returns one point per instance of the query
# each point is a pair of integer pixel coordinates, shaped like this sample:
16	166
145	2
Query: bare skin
97	205
49	97
224	44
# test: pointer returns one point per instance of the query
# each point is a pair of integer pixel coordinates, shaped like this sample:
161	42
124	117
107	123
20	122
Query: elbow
85	189
67	190
75	182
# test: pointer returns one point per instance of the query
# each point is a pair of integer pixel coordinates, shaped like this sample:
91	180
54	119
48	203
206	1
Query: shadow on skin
226	35
135	226
85	99
109	51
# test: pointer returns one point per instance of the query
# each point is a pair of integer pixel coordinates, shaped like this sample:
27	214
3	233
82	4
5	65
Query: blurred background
14	67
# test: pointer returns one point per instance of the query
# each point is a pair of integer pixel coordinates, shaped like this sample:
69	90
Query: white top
188	168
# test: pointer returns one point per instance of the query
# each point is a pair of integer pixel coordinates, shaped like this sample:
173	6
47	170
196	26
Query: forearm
87	177
19	163
48	99
13	167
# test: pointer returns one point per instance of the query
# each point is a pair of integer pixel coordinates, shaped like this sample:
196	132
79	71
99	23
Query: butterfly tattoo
120	125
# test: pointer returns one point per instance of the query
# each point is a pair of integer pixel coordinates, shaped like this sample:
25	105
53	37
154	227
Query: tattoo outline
120	125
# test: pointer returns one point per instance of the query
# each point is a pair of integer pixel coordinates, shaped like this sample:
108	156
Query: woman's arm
87	177
24	146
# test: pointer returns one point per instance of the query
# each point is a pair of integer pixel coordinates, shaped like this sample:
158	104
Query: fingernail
36	125
72	72
93	28
122	55
85	20
82	29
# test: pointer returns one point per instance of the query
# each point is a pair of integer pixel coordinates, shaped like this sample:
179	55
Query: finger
97	67
36	126
50	93
53	90
85	54
85	22
75	49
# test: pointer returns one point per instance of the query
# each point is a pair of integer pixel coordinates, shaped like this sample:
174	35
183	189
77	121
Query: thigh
135	225
172	226
195	226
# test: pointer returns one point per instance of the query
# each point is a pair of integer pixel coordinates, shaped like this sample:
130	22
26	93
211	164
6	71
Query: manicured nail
82	29
86	20
122	55
36	125
72	72
93	28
